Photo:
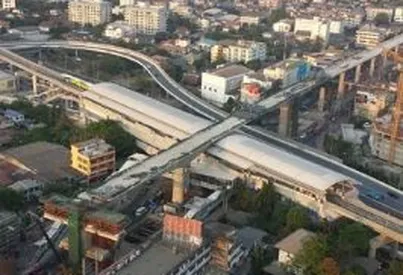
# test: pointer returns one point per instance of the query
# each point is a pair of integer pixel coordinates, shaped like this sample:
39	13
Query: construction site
387	133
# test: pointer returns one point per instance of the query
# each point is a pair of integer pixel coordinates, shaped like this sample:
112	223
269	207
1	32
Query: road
213	113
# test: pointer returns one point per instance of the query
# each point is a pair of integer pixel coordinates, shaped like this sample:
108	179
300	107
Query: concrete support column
372	67
341	87
288	120
35	84
322	99
376	243
357	76
179	178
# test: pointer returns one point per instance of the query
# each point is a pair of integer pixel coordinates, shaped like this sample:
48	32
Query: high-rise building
127	2
315	27
398	15
146	19
270	4
93	12
94	158
8	4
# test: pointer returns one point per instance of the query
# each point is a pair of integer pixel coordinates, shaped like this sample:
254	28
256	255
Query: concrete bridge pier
322	99
376	243
35	84
288	120
180	180
341	87
372	67
357	76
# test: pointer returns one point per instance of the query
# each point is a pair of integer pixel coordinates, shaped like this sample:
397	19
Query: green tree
229	105
10	199
241	196
310	257
265	200
355	270
259	259
381	19
353	240
297	217
395	268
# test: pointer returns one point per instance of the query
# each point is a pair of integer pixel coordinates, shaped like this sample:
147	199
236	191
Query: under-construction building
10	229
93	233
387	135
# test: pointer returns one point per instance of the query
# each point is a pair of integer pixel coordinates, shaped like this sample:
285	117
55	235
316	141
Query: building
7	82
323	59
372	12
315	28
118	30
10	229
270	4
289	71
370	36
93	12
369	104
251	93
337	26
250	18
146	19
238	51
223	83
292	244
30	189
283	25
93	158
8	4
127	2
398	15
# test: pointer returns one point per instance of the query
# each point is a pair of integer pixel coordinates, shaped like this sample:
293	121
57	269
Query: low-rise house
29	188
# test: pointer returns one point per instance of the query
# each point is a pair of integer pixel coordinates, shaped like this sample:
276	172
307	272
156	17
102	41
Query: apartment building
127	2
398	15
93	12
284	25
8	4
238	51
289	71
370	36
223	83
93	158
7	82
270	4
146	19
10	229
315	28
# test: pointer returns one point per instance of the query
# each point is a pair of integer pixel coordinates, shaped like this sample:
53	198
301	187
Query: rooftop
47	161
4	75
25	184
294	242
158	259
93	147
230	71
112	217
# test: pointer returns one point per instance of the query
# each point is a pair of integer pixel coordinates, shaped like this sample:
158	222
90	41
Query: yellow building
146	19
94	158
93	12
7	82
238	51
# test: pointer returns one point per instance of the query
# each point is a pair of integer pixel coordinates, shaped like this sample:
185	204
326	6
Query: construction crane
64	268
398	109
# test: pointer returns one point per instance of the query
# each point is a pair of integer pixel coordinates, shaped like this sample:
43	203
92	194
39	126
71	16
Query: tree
381	19
310	257
229	105
330	267
241	196
353	240
395	268
297	217
265	200
259	259
10	199
355	270
254	64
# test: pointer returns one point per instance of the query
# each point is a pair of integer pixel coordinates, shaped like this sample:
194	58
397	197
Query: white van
140	211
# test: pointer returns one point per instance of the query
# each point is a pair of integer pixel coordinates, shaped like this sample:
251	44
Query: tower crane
398	109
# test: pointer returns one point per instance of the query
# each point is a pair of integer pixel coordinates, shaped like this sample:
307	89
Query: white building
7	82
289	71
283	26
317	28
146	19
8	4
223	83
127	2
370	36
398	15
337	26
292	244
30	189
239	51
118	30
93	12
372	12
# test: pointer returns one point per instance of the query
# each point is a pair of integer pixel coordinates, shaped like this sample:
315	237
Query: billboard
303	70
